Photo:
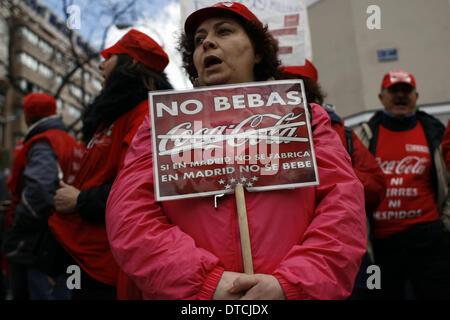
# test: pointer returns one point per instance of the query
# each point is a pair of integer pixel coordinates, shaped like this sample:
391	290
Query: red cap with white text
398	76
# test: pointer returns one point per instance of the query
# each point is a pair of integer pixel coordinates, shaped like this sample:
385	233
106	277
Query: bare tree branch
115	11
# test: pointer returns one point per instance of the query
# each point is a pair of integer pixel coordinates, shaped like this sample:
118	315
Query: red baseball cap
142	48
308	70
398	76
39	105
220	8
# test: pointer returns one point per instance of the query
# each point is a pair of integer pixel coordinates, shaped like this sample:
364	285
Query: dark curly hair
263	43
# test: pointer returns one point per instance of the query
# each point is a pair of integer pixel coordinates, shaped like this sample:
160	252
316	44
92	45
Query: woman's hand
258	287
66	198
223	288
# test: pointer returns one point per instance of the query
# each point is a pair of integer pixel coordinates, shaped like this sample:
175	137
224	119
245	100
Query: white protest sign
287	21
206	141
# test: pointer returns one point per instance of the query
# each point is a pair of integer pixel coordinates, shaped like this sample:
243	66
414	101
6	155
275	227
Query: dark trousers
19	281
360	289
418	257
92	289
3	281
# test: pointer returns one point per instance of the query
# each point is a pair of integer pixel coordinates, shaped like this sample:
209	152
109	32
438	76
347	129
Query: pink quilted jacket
311	239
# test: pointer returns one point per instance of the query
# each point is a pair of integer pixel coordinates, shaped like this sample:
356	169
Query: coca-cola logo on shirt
408	165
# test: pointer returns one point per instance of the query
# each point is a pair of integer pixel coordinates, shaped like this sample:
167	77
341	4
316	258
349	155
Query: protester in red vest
190	248
364	164
132	67
47	156
411	242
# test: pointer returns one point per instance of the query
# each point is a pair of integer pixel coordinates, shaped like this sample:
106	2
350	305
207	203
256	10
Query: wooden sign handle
243	229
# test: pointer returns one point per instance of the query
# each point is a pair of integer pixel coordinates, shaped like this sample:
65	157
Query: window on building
26	85
45	71
60	105
59	56
78	73
76	91
73	111
59	79
34	64
97	84
71	64
23	84
36	88
28	61
29	35
33	38
87	76
45	46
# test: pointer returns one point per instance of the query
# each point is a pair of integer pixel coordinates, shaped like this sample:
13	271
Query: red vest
67	150
87	242
405	159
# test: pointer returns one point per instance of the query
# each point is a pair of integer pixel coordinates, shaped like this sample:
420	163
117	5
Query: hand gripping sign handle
243	229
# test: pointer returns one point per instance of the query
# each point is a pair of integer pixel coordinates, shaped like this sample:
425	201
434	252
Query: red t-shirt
405	159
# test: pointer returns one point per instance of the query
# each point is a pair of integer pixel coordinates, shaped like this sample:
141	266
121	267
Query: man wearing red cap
411	241
48	155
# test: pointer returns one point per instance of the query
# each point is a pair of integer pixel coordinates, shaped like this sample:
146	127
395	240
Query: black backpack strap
349	138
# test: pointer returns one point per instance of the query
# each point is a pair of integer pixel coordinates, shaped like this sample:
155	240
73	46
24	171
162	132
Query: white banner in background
287	21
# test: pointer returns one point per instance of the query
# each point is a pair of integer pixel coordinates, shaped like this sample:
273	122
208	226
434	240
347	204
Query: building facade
37	56
355	42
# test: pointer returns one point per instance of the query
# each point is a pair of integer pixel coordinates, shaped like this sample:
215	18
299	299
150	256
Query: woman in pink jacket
306	243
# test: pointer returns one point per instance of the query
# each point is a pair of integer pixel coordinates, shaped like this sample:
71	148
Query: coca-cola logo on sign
187	136
408	165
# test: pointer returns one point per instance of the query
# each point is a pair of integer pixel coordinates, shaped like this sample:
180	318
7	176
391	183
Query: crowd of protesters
382	197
